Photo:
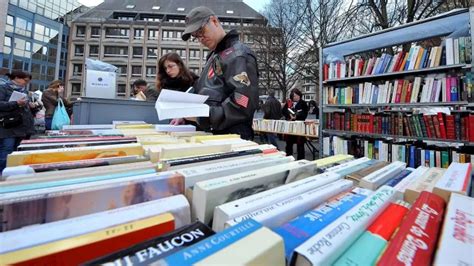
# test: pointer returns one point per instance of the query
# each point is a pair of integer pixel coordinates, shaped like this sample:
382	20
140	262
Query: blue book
207	247
379	68
424	59
404	154
408	58
349	170
375	94
432	158
394	181
300	229
411	163
427	158
72	181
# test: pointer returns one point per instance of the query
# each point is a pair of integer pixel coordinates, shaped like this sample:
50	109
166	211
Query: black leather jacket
230	79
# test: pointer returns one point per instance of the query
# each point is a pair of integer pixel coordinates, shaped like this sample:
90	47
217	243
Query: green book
444	159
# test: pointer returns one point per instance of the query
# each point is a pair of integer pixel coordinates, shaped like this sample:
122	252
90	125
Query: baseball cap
195	20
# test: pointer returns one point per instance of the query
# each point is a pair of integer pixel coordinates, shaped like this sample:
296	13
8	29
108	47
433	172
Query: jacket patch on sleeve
241	99
242	78
210	74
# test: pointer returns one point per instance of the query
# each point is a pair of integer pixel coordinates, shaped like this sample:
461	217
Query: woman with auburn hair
173	74
50	101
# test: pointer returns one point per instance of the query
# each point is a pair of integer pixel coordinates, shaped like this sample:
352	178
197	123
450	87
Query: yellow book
162	223
134	126
332	159
418	58
73	154
165	139
262	247
214	137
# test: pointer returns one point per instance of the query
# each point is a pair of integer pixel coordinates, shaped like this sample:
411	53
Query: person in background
140	85
16	117
229	78
173	74
50	100
295	110
272	110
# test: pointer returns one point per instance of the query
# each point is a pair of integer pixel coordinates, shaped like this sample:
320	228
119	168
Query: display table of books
140	194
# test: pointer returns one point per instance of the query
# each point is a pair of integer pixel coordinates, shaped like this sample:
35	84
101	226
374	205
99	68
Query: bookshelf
347	69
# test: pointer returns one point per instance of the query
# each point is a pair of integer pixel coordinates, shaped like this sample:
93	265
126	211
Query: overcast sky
255	4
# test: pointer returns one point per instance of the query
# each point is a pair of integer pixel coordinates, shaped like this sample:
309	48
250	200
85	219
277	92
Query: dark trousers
7	146
290	140
47	122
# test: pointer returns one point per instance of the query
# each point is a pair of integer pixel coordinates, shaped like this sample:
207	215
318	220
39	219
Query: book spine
415	241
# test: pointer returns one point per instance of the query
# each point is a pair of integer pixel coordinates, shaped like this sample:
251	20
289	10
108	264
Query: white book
44	233
408	180
326	146
456	179
394	91
328	244
438	90
175	104
207	171
416	90
347	165
82	127
449	51
174	128
232	209
17	96
283	211
127	122
455	246
376	179
394	153
211	193
361	92
413	57
456	51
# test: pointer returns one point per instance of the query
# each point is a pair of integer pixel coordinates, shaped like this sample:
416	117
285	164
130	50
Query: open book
176	104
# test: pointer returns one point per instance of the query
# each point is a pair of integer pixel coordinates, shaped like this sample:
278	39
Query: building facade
133	36
35	38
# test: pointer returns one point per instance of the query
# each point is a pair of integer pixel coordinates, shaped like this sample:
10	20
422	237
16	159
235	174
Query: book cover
63	204
153	250
79	249
328	244
260	246
377	178
211	193
424	183
457	237
282	211
415	240
456	179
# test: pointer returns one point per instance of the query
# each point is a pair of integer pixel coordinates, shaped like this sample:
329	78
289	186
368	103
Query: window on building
155	7
153	34
136	71
125	17
122	70
94	50
116	33
137	52
77	69
204	54
23	27
116	51
76	89
181	52
152	19
138	34
121	90
151	71
7	45
152	52
166	51
10	23
169	35
248	38
79	50
194	54
195	70
80	31
130	6
95	32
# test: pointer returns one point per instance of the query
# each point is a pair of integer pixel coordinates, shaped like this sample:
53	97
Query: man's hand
177	121
292	117
21	102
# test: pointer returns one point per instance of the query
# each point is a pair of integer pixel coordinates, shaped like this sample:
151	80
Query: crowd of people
229	78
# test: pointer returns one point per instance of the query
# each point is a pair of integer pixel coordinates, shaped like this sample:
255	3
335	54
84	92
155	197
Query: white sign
100	84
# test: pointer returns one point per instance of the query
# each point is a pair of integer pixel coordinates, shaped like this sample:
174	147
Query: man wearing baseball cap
229	78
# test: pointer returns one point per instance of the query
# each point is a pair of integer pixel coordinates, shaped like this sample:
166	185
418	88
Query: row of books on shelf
454	126
455	51
432	88
263	207
308	127
414	154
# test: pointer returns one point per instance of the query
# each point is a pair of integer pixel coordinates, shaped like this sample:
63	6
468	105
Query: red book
442	128
427	125
436	126
399	91
416	239
409	90
471	127
338	70
326	72
81	253
361	67
370	123
450	127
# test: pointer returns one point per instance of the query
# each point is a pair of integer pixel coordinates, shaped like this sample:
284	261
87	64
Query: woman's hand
21	102
177	121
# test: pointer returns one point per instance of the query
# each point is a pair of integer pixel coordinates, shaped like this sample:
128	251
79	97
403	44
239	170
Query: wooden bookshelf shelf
372	135
406	105
397	74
